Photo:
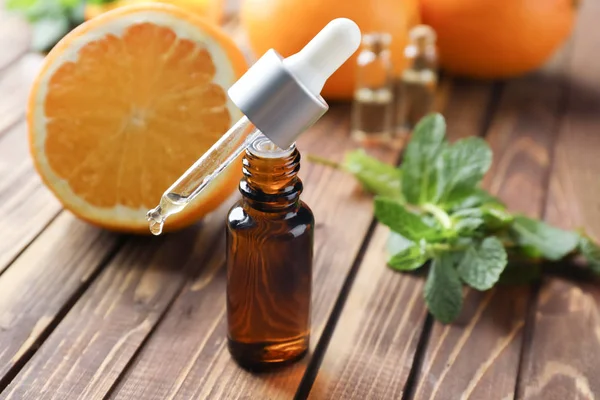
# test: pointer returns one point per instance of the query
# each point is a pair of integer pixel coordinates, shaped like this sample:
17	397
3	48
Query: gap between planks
356	379
487	117
130	332
563	355
193	379
47	323
521	135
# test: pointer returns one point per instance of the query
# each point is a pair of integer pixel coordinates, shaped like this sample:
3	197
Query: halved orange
124	104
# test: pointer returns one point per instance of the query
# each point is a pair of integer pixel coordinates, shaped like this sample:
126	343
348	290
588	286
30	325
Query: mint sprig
438	213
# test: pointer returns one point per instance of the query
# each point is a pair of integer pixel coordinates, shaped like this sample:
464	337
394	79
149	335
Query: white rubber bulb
324	54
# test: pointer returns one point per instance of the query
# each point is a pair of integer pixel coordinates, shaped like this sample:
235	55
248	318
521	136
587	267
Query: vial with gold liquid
269	260
373	95
415	93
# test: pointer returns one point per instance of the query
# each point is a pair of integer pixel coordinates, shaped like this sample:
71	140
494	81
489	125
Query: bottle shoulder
306	213
241	216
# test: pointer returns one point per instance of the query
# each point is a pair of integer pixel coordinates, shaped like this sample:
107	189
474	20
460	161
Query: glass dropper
279	97
202	172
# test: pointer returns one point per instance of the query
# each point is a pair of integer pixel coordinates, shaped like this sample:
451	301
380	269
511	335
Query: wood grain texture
478	355
26	206
200	366
14	37
466	105
374	343
353	376
562	359
45	278
375	340
96	340
15	81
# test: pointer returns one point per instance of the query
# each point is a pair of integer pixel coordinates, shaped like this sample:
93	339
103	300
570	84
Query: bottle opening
262	147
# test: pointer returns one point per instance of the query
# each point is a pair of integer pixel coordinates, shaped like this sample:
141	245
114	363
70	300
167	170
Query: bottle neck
421	56
270	181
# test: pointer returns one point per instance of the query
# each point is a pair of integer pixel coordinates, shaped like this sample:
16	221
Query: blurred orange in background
481	39
498	39
286	25
476	38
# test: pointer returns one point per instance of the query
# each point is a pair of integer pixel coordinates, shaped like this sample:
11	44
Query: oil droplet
155	220
155	227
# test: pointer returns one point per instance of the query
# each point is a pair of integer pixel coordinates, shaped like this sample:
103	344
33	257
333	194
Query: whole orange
498	38
287	25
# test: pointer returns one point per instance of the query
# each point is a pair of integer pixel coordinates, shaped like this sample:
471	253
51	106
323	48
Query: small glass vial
373	95
269	261
415	92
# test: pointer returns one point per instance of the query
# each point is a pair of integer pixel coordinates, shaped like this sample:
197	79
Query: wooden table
88	314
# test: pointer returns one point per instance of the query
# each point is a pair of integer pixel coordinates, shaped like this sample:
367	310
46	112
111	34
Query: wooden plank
373	347
42	281
187	356
161	385
14	37
466	108
26	206
375	340
478	355
562	357
15	82
95	341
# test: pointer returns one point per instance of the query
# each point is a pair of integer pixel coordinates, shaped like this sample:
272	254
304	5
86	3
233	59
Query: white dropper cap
282	96
324	54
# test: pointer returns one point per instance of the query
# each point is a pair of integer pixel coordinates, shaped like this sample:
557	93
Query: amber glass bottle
269	261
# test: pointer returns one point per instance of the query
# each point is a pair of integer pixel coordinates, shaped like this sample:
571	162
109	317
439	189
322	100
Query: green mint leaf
410	258
47	31
40	9
443	290
468	225
482	264
393	214
537	238
77	13
397	243
477	198
460	168
495	215
467	220
491	215
468	213
419	181
19	5
70	3
376	177
591	253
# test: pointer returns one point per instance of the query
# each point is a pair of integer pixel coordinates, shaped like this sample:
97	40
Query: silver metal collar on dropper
281	97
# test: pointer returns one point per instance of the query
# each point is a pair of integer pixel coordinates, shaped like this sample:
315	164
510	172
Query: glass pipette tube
282	97
202	172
